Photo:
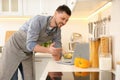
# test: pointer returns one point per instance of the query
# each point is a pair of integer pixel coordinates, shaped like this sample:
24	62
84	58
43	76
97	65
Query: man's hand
56	52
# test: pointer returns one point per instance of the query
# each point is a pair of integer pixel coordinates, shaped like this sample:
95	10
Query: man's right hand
56	52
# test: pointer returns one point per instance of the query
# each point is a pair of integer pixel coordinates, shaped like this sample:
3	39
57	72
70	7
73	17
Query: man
29	38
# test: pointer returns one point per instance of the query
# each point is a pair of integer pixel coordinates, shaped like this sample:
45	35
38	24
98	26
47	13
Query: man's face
61	18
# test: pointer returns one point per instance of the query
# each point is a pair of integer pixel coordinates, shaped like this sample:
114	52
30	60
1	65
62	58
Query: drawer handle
38	60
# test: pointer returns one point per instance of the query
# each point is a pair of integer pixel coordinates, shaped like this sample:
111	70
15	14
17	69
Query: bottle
105	56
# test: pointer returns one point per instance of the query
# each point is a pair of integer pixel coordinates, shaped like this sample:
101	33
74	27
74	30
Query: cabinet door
40	65
31	7
48	7
10	7
42	7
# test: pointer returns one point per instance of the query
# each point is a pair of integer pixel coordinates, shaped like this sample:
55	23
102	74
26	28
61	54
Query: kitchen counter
43	55
52	66
39	55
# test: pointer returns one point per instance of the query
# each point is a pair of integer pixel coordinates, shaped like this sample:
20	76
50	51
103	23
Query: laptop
81	50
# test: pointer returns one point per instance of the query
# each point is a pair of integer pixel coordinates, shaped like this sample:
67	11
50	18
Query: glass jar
94	49
105	56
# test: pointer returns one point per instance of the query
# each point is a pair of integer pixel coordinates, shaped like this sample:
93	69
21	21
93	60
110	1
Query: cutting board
8	35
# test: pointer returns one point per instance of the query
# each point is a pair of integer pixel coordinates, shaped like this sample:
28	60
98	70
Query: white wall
9	24
115	30
78	26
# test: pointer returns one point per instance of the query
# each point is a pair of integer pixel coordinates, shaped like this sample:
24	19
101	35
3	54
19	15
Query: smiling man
29	38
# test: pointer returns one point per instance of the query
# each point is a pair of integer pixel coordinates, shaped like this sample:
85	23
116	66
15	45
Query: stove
102	75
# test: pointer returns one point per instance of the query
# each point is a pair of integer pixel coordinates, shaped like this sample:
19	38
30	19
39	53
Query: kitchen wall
74	26
115	30
9	24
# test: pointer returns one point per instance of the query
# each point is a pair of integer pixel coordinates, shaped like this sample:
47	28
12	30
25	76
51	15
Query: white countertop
52	66
43	55
39	55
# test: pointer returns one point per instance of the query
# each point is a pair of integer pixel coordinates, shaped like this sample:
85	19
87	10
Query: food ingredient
81	62
67	55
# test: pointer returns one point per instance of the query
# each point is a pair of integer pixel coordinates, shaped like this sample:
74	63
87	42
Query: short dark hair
64	8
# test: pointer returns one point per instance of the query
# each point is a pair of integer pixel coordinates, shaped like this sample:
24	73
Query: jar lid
93	39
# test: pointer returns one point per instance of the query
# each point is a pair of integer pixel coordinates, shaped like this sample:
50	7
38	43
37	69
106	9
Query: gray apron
15	52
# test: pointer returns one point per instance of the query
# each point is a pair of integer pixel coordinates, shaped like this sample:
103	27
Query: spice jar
105	56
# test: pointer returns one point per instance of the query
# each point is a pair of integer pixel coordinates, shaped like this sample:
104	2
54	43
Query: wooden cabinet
10	7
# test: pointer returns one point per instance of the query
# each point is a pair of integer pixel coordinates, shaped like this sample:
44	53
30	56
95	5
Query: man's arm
51	50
